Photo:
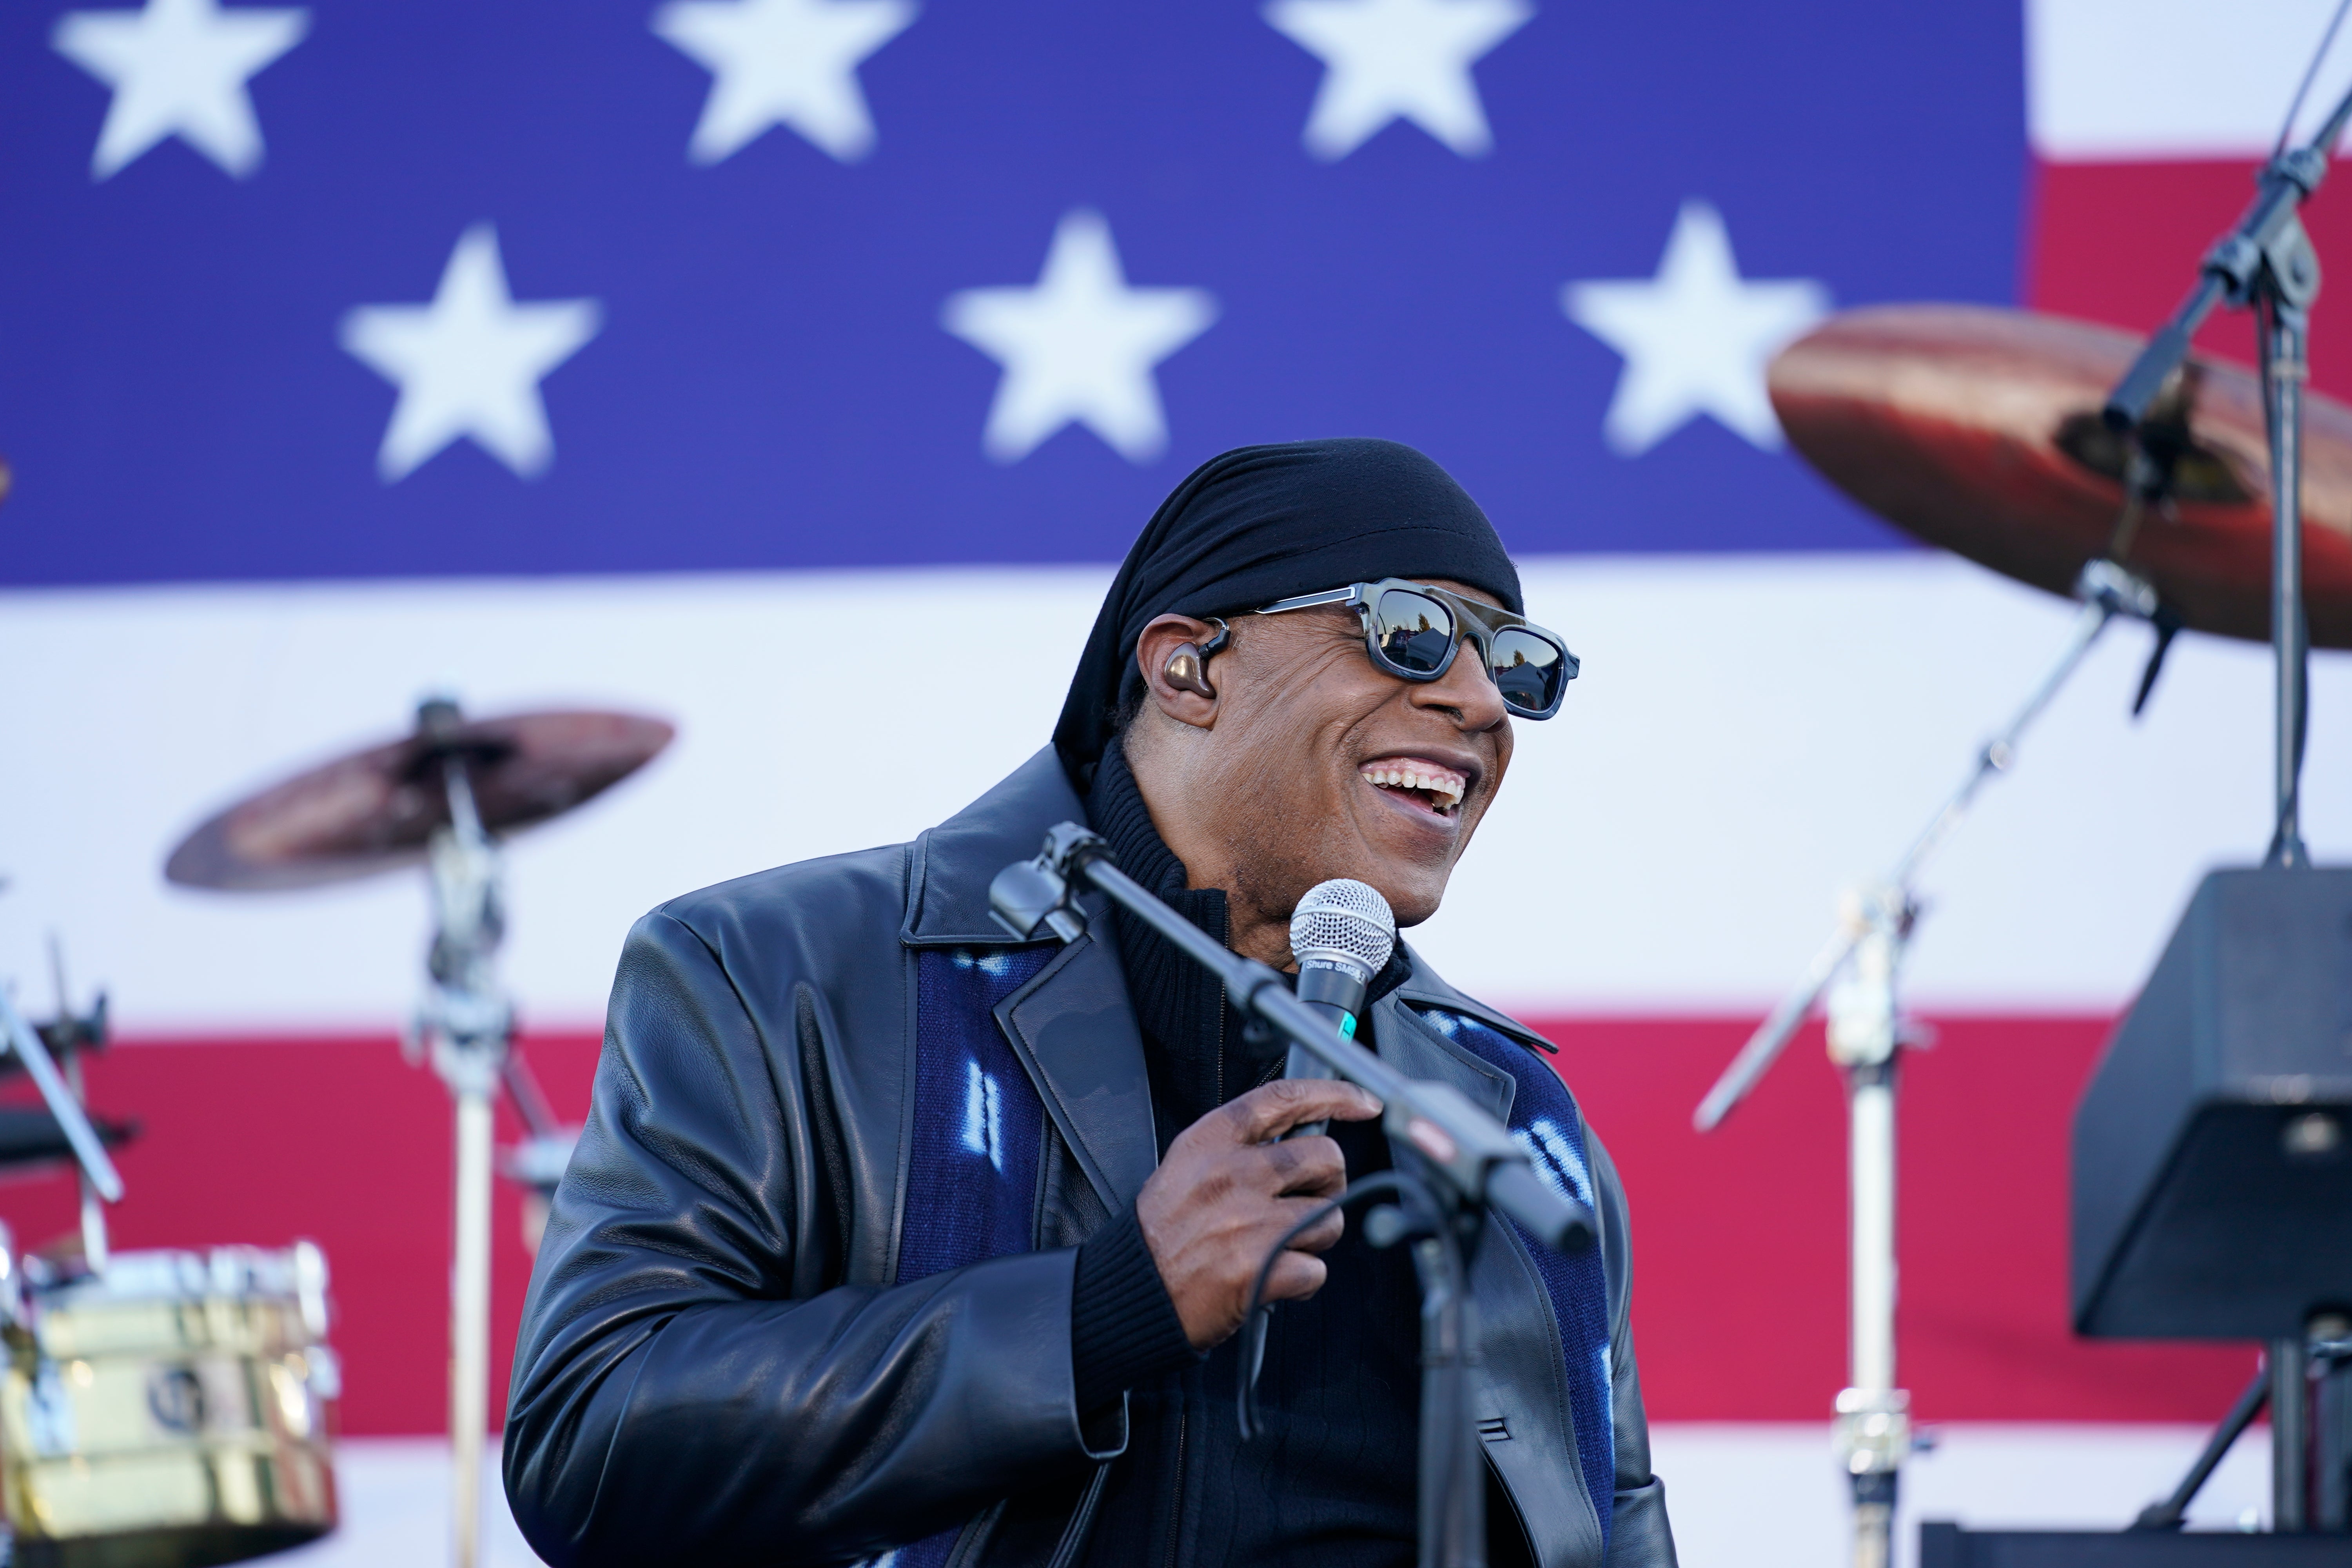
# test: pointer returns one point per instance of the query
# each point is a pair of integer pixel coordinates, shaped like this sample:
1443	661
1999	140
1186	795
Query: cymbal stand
538	1161
89	1150
467	1022
1867	1034
68	1036
2266	264
537	1164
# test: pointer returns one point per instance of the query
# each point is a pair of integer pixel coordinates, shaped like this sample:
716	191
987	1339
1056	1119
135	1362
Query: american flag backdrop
796	369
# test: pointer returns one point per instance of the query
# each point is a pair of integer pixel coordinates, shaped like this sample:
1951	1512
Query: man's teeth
1442	782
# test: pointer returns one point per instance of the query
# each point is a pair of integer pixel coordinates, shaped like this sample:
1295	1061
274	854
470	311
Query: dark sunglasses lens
1529	669
1413	631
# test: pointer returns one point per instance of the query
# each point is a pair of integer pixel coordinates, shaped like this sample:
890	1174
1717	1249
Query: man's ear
1168	655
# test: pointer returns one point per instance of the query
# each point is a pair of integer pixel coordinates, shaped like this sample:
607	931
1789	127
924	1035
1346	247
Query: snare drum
174	1410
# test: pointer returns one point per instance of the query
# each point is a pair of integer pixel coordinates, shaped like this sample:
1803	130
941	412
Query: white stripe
1750	733
1742	1495
2135	80
1768	1494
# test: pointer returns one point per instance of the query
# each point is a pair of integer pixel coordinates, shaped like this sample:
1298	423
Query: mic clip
1033	899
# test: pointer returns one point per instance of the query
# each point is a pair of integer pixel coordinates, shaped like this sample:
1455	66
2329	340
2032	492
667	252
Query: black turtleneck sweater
1330	1482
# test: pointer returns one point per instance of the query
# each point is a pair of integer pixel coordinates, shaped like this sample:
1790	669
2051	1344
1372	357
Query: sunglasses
1413	631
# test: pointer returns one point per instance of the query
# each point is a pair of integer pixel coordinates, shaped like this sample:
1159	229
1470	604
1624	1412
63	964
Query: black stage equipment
32	1135
2213	1147
2210	1183
1454	1163
1950	1546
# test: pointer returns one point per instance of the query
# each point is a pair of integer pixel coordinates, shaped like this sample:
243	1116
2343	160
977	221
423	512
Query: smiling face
1312	762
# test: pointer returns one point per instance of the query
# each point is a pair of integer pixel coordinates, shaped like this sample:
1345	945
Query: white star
178	69
470	363
1390	59
782	62
1080	346
1696	338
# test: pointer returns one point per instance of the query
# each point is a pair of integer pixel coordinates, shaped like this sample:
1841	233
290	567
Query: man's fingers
1311	1167
1294	1278
1271	1110
1320	1236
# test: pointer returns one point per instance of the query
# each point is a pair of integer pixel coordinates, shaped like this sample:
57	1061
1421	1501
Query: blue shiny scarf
980	1130
1544	1120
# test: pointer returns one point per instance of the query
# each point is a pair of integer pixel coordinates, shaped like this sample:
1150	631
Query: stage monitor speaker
2213	1147
1950	1546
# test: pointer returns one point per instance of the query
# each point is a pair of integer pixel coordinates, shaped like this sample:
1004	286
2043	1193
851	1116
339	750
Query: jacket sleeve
673	1401
1639	1534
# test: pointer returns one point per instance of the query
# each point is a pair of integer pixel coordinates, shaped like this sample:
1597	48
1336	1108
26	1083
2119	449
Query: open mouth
1419	784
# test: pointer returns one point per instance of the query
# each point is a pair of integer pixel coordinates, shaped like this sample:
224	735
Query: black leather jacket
715	1364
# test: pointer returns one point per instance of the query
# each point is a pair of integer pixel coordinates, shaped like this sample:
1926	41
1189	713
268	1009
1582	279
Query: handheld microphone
1341	934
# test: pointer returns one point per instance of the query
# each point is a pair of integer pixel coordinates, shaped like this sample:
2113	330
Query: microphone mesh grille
1344	920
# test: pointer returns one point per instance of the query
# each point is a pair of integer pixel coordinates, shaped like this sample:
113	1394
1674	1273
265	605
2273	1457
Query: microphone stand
1463	1159
2266	264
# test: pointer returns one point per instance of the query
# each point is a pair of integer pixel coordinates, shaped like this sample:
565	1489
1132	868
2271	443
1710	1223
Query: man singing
892	1239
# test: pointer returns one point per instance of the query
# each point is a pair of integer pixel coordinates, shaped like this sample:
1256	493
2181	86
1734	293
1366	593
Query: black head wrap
1262	523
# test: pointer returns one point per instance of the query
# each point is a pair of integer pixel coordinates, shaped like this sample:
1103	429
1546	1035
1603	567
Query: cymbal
1978	429
375	810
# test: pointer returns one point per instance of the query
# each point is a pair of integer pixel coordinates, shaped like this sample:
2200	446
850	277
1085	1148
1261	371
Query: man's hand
1227	1191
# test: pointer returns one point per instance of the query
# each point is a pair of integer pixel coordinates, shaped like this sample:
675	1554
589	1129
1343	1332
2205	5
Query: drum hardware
157	1408
2011	438
175	1409
23	1042
442	797
31	1136
2245	1004
537	1164
1867	1034
466	1023
1978	430
376	810
1994	434
68	1038
2266	264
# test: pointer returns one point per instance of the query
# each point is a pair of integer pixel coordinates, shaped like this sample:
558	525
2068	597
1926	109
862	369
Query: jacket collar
1416	1049
1072	1025
1426	988
951	865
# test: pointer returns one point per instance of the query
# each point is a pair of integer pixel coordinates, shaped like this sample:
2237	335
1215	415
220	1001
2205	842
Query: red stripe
2120	243
337	1139
1740	1235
